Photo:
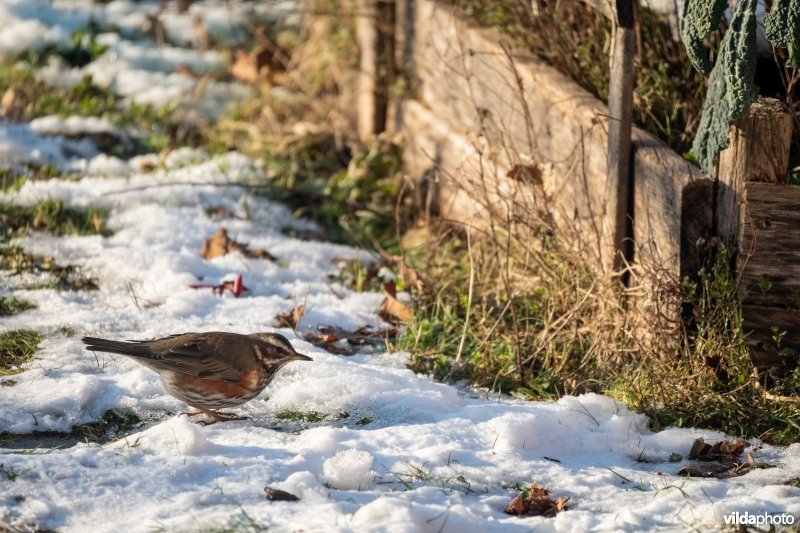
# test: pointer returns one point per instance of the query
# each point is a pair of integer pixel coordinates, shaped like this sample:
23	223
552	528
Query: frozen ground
395	452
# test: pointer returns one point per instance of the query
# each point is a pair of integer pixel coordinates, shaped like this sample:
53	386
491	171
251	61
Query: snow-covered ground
396	451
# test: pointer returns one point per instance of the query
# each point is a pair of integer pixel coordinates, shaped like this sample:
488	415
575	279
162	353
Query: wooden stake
758	151
375	28
620	115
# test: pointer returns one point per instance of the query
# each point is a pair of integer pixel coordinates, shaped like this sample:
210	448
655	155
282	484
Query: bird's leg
218	416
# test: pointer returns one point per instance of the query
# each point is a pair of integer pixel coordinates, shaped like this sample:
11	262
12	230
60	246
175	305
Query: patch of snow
20	144
35	24
73	126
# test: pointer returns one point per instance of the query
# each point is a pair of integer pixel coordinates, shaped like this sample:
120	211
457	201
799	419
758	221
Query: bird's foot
216	416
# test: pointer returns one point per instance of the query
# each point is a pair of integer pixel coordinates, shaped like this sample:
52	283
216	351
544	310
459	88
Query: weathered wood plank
519	110
515	111
769	252
758	151
770	330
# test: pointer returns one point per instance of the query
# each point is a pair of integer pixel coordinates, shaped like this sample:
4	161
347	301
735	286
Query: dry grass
540	322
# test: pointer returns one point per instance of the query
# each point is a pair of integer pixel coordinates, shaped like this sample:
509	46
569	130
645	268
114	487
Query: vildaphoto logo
761	519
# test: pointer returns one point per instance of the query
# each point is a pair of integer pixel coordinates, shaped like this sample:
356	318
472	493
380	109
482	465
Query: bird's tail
135	349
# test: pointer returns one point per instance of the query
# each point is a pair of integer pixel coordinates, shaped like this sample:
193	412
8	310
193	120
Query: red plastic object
236	286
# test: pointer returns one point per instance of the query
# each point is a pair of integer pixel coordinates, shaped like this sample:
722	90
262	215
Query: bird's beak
301	357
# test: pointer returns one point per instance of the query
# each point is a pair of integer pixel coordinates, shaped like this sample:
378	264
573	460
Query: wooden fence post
375	29
758	152
758	214
617	233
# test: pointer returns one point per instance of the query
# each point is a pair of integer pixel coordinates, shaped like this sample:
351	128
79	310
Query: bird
209	371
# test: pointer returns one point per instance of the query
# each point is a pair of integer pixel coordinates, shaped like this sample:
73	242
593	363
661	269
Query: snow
395	451
20	144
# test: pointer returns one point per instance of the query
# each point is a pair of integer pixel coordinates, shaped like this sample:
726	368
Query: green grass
301	416
8	472
352	191
53	216
160	128
11	181
13	258
17	348
11	305
112	425
82	49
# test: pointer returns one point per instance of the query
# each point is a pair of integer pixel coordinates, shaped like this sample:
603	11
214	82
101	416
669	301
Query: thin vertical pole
620	110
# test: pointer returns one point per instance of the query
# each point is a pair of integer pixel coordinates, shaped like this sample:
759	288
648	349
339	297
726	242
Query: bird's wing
203	356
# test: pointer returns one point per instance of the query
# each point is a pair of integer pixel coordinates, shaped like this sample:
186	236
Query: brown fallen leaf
329	338
260	253
394	311
244	67
390	288
329	344
220	244
720	460
410	276
706	470
7	102
724	450
291	318
531	174
257	65
699	447
277	495
536	502
715	470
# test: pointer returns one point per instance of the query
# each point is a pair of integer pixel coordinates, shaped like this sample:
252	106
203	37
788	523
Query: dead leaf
7	102
720	460
216	245
220	244
699	447
257	65
277	495
390	288
516	506
724	450
410	276
394	311
536	502
530	174
244	67
331	338
700	471
292	318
